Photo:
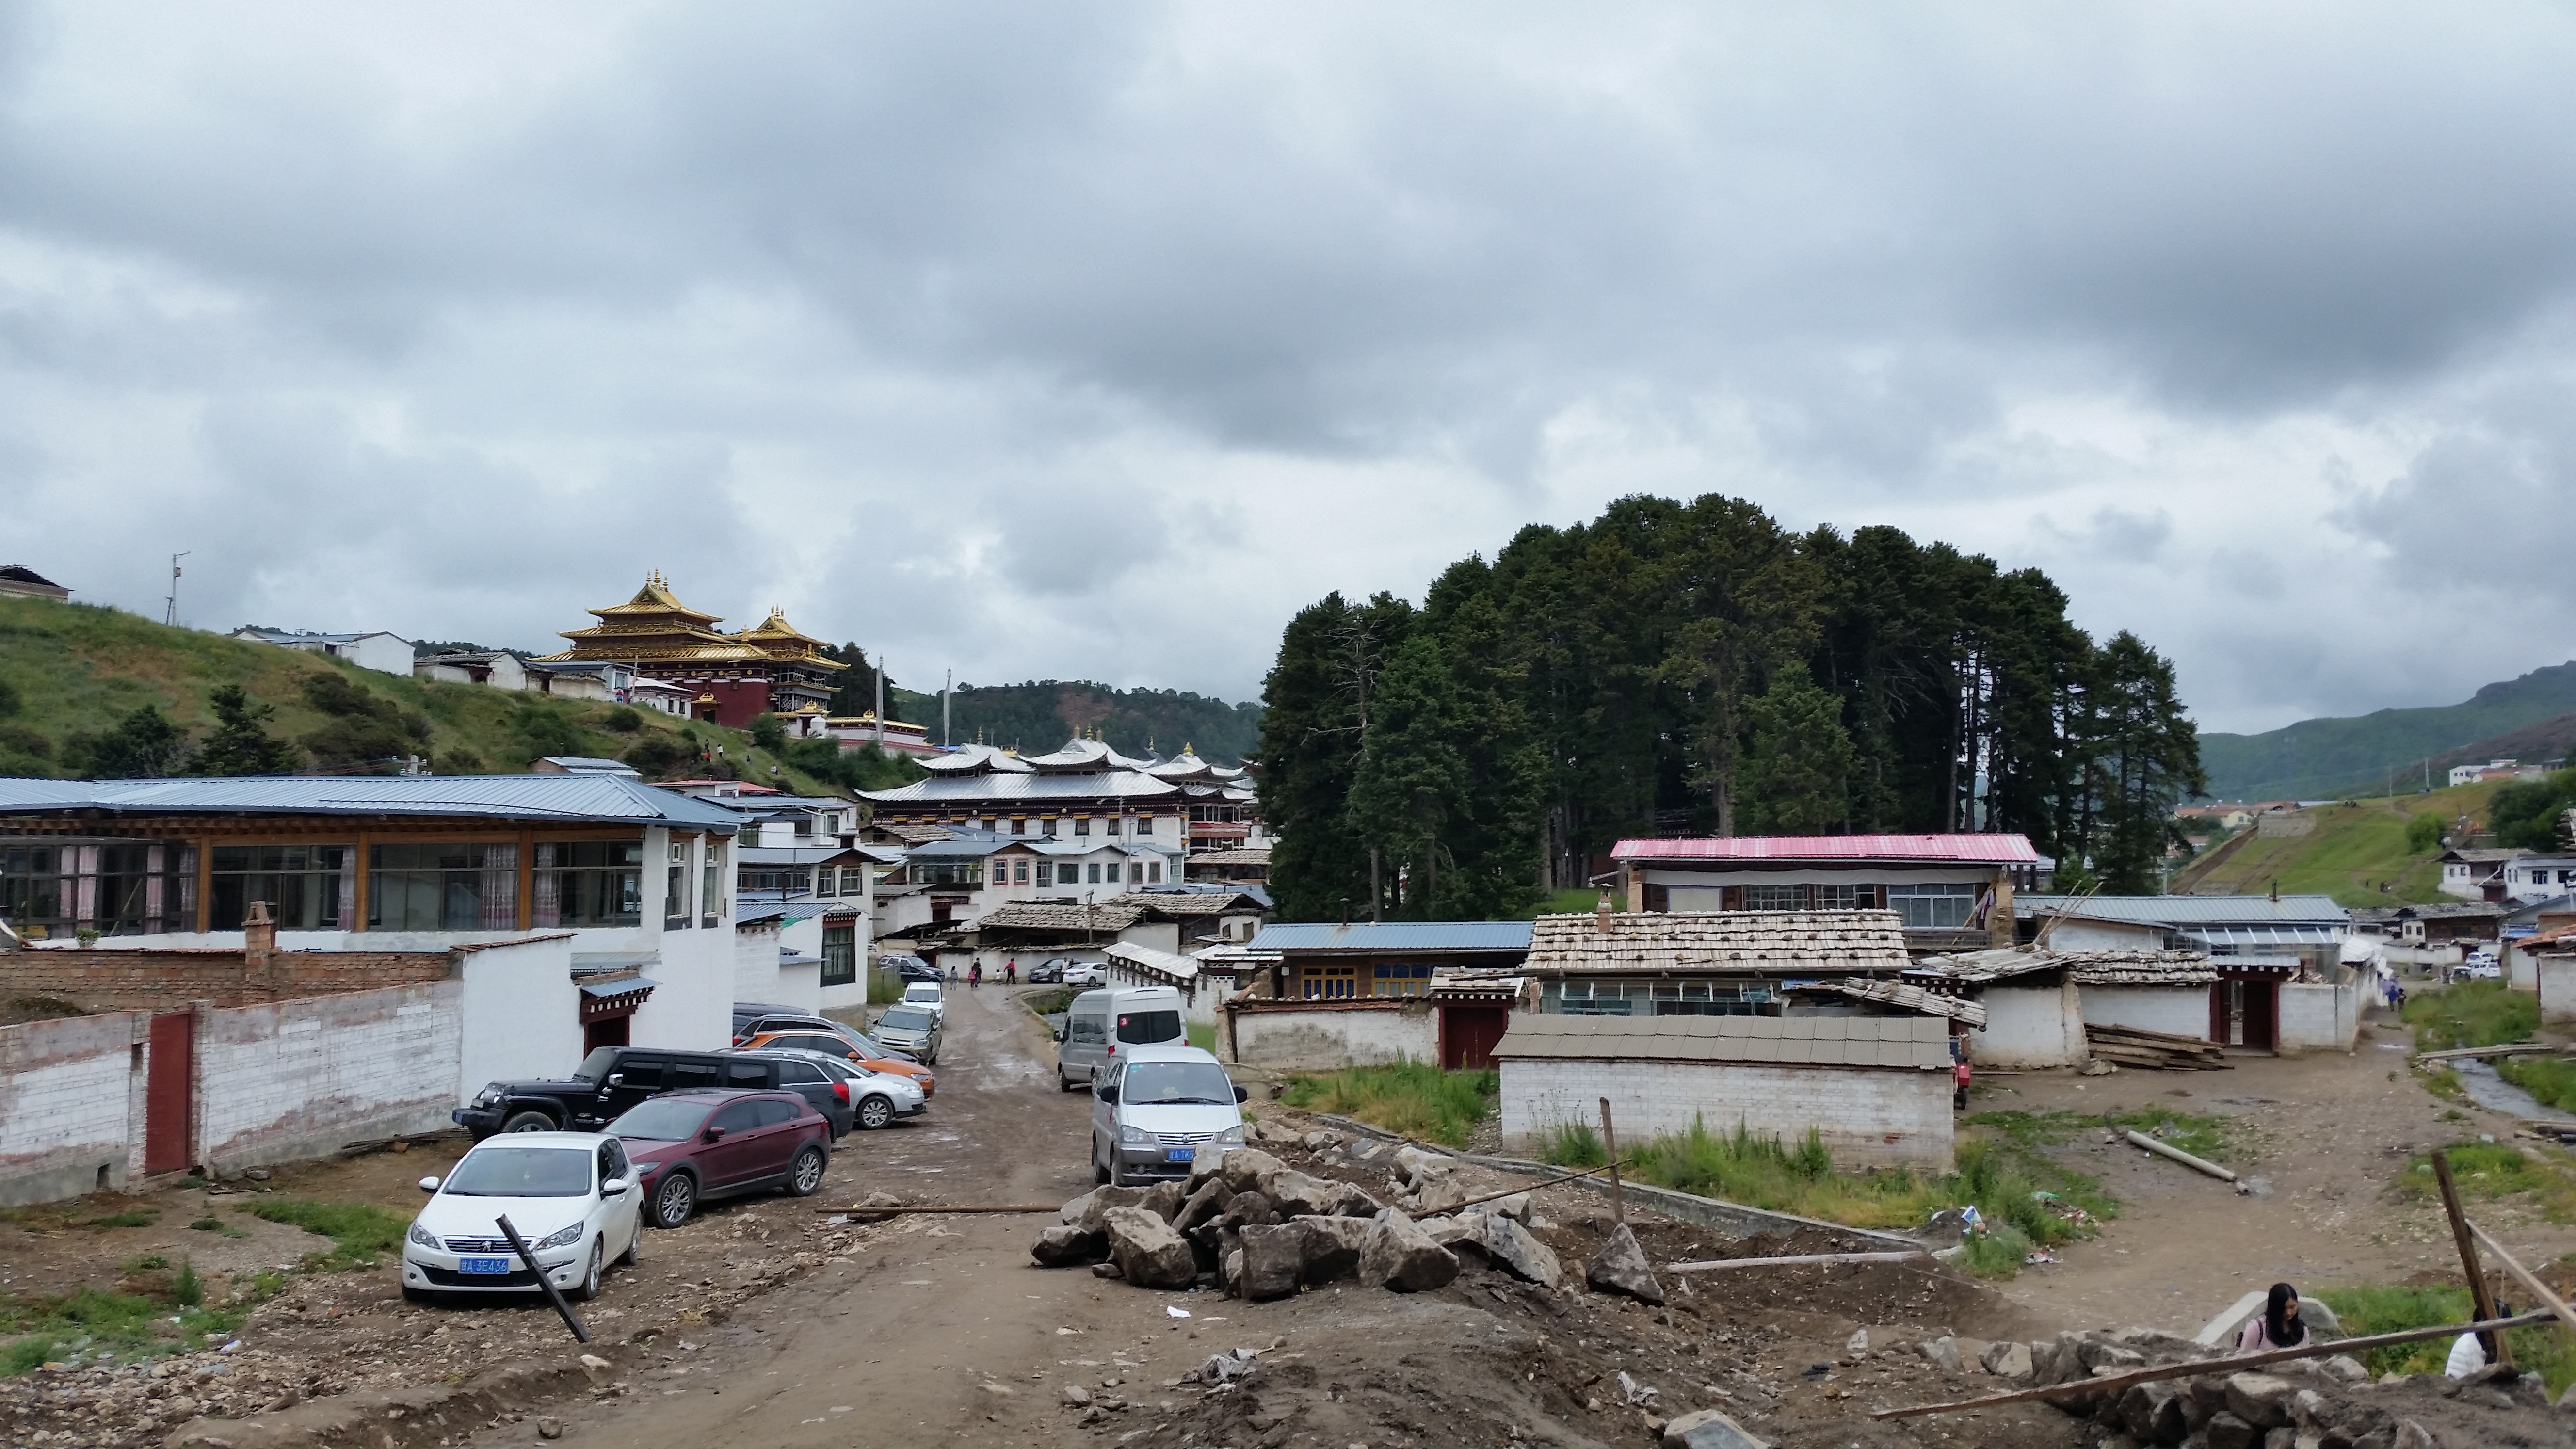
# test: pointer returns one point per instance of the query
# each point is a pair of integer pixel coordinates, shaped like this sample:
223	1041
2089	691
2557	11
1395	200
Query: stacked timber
2128	1046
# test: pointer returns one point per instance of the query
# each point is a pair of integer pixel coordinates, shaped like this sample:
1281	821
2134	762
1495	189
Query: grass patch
130	1218
359	1232
2493	1170
1048	1003
92	1324
2551	1081
2027	1200
1203	1035
1413	1098
885	988
2473	1013
2369	1309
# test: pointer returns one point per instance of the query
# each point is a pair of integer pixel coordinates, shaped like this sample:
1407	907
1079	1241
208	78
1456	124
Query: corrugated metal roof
1902	997
1396	936
1945	849
1913	1043
610	798
1176	969
2185	911
962	791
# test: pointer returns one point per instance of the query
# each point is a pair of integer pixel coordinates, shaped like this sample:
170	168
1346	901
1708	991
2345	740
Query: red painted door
1468	1035
169	1098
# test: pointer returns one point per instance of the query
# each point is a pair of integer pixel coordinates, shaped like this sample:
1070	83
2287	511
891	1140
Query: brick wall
1321	1039
2318	1017
71	1106
2556	983
2029	1027
1867	1116
290	1079
167	978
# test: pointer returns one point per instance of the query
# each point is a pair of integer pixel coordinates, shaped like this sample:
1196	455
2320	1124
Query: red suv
692	1146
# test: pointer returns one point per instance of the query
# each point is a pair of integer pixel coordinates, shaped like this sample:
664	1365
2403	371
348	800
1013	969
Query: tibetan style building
770	669
1085	789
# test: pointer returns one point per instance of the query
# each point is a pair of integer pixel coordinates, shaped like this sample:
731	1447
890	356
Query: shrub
2473	1013
2423	834
359	1231
623	720
1414	1098
185	1289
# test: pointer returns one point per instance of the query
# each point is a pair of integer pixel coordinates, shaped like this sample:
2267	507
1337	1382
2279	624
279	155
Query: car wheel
1117	1169
805	1174
674	1200
1098	1172
875	1112
634	1253
529	1121
1063	1083
588	1287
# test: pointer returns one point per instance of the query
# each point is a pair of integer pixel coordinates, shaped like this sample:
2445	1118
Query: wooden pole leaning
2479	1298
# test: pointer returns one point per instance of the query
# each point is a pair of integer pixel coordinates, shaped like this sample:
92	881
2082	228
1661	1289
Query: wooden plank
1801	1260
2525	1277
2113	1383
2479	1297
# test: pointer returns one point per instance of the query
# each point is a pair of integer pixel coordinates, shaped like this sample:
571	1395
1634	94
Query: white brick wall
290	1079
71	1102
1323	1040
521	1015
2319	1017
1868	1117
2557	986
2029	1027
2176	1010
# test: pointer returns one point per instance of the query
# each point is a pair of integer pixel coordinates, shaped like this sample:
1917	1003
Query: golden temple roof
655	628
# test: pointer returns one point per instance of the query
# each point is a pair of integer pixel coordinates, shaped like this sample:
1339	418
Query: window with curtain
472	886
675	888
840	955
588	883
307	887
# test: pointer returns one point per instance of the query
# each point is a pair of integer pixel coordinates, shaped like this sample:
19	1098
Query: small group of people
2278	1326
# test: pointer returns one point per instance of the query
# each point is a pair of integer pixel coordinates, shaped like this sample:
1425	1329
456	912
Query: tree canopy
1695	668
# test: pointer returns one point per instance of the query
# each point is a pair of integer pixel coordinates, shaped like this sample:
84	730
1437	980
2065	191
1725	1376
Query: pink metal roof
1976	849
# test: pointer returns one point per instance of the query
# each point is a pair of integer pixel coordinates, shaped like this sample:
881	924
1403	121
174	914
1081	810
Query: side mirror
1059	1033
611	1187
429	1184
617	1079
1241	1095
712	1134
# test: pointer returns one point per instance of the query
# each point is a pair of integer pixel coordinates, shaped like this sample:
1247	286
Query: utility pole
172	617
946	690
880	667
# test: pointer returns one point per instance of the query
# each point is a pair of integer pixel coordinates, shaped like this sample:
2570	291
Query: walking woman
2277	1326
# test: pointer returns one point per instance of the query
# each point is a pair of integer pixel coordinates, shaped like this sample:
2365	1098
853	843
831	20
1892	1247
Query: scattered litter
837	1220
1175	1310
1637	1393
2039	1258
1858	1342
227	1348
1224	1368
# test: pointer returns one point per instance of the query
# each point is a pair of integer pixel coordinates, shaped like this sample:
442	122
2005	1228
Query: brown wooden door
2221	1017
1468	1035
2262	1013
169	1094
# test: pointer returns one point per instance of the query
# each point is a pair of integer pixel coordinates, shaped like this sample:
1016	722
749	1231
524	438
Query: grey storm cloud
1093	341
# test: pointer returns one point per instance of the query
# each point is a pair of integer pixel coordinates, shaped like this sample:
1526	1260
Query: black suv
612	1079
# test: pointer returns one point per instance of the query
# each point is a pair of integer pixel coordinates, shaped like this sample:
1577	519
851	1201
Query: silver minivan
1154	1107
1099	1023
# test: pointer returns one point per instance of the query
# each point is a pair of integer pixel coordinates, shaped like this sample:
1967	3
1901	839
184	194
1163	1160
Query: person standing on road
975	974
2277	1326
1011	971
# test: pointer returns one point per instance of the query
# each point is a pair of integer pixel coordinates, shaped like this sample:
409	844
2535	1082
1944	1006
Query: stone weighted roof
1785	942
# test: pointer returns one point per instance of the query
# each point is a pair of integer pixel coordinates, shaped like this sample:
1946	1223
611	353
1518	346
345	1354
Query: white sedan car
1086	973
876	1098
571	1195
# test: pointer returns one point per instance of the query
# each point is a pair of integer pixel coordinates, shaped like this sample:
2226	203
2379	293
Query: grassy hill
1042	714
2357	853
2330	758
70	671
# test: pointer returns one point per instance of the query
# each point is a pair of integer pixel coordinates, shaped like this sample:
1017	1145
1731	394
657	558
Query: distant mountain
1042	714
2323	758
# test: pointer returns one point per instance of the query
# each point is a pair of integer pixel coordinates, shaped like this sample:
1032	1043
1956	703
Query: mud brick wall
71	1104
1328	1037
1867	1116
290	1079
105	978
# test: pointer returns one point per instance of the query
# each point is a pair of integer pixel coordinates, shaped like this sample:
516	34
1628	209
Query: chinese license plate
482	1265
1180	1154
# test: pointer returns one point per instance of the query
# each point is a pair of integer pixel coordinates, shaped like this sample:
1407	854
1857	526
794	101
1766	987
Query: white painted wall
2319	1017
71	1103
1867	1116
1321	1039
520	1014
2081	935
2030	1027
2175	1010
2555	979
289	1079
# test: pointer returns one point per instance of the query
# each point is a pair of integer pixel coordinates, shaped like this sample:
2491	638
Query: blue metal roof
602	798
1397	936
2186	911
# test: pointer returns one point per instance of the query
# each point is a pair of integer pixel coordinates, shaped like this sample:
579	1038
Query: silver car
1154	1107
912	1029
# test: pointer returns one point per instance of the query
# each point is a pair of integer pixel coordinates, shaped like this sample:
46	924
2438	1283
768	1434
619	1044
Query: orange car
840	1046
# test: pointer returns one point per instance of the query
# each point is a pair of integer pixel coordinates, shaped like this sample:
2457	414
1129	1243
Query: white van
927	994
1100	1022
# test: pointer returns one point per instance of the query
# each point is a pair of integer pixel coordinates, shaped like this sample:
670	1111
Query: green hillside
1042	714
2329	758
74	679
2358	853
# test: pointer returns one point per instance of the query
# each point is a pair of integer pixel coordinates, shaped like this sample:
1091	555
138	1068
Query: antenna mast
172	616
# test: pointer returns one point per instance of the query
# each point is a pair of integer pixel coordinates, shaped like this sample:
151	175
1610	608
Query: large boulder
1272	1259
1440	1195
1301	1194
1204	1204
1420	1167
1619	1266
1090	1211
2153	1413
1400	1256
1509	1247
2008	1360
1064	1245
1452	1232
1245	1167
1163	1200
1709	1429
1147	1251
2262	1400
1333	1247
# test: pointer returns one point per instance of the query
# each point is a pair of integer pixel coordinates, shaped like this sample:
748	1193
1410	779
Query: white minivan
1099	1023
1154	1107
927	994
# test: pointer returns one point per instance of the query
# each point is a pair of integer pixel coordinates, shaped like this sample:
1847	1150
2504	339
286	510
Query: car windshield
521	1172
1167	1083
921	991
904	1018
661	1120
595	1066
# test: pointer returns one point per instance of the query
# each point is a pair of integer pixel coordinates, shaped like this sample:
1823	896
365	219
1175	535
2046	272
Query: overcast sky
1093	340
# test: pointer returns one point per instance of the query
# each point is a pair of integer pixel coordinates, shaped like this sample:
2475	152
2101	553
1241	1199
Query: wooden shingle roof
1791	942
